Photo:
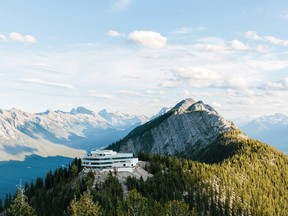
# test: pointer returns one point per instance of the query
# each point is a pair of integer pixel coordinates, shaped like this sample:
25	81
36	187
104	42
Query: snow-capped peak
120	119
277	118
81	110
161	112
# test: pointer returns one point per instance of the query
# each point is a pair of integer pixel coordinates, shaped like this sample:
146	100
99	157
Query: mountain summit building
109	160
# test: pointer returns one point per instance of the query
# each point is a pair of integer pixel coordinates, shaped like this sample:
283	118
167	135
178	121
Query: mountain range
183	129
53	133
215	169
271	129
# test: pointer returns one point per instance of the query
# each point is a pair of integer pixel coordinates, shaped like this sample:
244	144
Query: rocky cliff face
185	129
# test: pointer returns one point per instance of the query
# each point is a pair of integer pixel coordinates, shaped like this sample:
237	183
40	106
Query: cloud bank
148	38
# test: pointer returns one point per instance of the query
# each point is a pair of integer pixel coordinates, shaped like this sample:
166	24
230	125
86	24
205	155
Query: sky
138	56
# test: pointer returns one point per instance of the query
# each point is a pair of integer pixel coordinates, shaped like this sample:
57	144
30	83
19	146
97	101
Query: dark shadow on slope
92	137
224	147
16	150
217	152
36	131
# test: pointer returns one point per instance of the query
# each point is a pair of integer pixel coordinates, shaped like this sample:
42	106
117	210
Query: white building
109	160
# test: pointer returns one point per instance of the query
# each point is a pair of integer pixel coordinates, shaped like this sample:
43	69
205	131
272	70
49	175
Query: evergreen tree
8	201
1	205
136	203
20	206
74	169
85	206
176	208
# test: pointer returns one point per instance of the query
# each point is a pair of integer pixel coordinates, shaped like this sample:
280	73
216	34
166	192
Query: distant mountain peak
161	112
274	119
81	110
121	119
47	112
104	112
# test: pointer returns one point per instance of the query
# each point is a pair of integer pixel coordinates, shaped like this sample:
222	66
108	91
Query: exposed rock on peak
184	104
186	129
200	106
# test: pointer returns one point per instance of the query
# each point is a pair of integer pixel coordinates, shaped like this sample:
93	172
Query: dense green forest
234	176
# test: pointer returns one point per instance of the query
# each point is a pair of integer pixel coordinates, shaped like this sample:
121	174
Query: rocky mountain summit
187	128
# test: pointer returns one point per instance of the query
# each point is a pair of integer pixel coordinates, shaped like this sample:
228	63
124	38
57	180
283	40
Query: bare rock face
186	129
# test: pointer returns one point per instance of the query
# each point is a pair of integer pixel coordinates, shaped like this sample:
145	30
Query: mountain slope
185	129
56	132
271	129
251	179
15	145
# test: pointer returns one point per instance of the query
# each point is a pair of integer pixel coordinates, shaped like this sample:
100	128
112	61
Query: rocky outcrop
185	129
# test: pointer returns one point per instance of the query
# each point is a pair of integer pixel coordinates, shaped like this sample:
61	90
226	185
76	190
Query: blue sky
138	56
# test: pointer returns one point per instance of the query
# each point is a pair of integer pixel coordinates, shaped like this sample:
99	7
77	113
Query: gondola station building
108	160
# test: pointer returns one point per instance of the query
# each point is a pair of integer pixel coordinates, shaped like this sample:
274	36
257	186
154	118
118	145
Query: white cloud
196	73
217	105
2	37
284	16
112	33
168	84
239	82
211	40
148	38
93	93
183	30
197	77
22	38
185	93
100	95
213	44
266	64
216	48
121	4
186	30
52	84
153	92
271	39
276	41
130	93
238	45
253	35
262	49
278	85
